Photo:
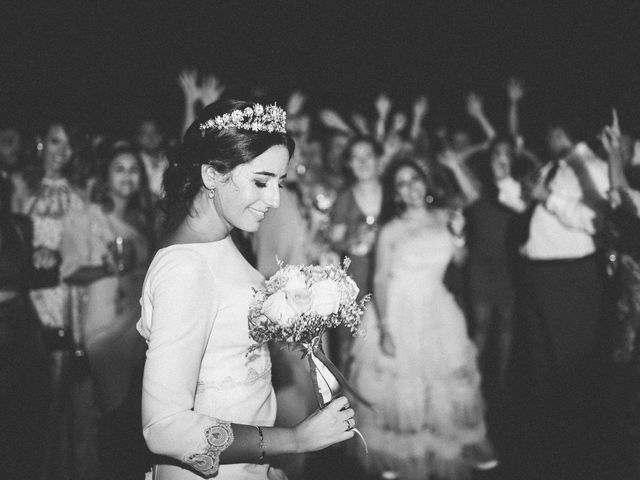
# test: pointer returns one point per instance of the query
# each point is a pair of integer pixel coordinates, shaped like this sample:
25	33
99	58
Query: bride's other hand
332	424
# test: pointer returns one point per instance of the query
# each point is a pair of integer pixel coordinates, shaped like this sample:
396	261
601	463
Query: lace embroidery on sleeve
218	437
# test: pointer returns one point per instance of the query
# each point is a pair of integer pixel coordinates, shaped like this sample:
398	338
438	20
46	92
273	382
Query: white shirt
563	226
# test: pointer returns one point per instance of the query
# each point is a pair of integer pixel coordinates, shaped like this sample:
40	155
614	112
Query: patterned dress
49	208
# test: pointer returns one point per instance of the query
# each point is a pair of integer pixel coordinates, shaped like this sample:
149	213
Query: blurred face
501	161
558	142
460	141
410	188
244	197
149	137
10	144
124	175
56	150
363	161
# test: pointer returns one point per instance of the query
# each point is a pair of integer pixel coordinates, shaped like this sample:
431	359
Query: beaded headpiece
269	118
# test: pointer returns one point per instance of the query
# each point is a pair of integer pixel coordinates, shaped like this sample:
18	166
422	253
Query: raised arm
515	92
475	109
332	119
465	179
620	194
383	107
188	82
420	109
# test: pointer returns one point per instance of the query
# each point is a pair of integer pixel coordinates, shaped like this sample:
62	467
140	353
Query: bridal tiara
269	118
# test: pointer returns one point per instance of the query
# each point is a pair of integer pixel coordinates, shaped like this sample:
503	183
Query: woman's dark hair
139	212
391	207
34	171
223	149
348	151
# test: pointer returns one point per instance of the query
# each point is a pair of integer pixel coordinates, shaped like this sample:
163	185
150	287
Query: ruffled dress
427	397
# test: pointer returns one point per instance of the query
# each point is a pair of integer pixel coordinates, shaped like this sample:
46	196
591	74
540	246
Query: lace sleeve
217	439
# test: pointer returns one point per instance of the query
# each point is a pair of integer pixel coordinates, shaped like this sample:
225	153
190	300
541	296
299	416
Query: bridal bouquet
297	305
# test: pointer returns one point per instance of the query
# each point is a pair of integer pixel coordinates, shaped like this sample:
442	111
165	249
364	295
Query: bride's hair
222	148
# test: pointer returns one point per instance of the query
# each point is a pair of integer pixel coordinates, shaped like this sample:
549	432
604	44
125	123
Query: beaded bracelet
262	446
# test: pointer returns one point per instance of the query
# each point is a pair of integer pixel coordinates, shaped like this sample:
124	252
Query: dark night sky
107	64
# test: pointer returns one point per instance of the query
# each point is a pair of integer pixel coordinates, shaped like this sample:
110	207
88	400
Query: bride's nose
272	196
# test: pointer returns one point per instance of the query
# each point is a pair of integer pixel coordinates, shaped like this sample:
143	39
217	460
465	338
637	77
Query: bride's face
244	197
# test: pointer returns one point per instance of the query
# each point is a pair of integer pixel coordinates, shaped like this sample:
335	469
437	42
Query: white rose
295	280
299	300
325	297
277	309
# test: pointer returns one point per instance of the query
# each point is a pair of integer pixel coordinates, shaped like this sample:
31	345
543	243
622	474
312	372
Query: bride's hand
332	424
386	343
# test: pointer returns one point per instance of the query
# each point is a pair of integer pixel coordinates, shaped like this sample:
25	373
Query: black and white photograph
319	240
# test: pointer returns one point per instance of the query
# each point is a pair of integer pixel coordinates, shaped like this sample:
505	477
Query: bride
207	407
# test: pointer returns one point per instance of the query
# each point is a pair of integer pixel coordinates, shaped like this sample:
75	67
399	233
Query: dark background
109	63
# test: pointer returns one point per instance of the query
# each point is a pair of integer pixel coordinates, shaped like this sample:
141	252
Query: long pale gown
427	397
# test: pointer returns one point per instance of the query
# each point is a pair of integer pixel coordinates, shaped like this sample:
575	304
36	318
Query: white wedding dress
427	397
198	376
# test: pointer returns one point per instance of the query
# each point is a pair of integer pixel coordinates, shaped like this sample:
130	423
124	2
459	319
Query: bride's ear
210	177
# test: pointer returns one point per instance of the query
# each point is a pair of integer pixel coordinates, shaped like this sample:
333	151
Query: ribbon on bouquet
327	379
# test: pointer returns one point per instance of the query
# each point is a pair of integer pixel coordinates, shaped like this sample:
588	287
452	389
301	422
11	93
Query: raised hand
188	81
399	122
420	107
383	105
332	119
610	135
211	89
515	89
295	103
360	123
474	105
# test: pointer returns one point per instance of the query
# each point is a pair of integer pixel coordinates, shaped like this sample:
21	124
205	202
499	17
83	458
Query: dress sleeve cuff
217	439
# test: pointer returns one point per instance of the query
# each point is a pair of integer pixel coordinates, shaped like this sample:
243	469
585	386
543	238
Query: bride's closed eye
260	184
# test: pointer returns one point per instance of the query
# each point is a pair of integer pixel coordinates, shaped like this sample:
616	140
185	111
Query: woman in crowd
208	407
106	249
52	199
355	224
493	233
417	364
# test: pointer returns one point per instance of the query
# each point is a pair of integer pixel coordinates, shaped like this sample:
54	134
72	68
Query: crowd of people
505	282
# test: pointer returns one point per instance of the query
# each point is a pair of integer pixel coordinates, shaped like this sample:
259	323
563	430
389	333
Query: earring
211	192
